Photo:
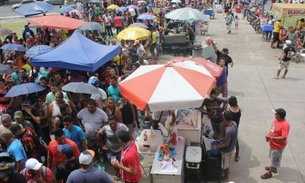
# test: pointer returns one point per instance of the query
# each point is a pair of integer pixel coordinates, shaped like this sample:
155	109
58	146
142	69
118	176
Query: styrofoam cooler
207	51
152	142
218	8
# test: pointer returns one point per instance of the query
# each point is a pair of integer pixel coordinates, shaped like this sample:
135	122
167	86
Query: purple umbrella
132	7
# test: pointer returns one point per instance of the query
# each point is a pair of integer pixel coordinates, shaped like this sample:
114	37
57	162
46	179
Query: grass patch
15	27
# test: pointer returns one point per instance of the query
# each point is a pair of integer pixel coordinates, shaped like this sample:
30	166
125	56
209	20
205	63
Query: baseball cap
288	42
86	157
136	42
280	111
33	164
10	62
66	149
18	114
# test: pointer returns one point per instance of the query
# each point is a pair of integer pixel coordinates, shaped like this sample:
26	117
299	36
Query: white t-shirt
92	121
99	97
140	50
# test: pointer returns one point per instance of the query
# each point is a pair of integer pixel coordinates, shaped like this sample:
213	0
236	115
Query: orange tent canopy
57	22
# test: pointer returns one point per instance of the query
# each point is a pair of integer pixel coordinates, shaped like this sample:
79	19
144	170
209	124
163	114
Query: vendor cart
210	12
218	8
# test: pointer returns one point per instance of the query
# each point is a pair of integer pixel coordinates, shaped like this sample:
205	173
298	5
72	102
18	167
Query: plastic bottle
152	133
174	137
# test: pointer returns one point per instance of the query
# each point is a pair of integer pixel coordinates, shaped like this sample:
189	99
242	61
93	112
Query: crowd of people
99	127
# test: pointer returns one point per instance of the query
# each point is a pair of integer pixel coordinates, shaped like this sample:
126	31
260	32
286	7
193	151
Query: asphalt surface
251	81
6	11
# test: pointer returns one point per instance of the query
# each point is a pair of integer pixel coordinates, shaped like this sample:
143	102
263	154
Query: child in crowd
236	21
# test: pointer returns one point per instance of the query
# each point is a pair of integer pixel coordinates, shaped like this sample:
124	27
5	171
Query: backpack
32	142
44	172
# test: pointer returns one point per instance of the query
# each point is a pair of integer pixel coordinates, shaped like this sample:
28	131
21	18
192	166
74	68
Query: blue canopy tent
77	53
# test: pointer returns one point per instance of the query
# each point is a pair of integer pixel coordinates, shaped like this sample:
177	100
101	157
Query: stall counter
174	177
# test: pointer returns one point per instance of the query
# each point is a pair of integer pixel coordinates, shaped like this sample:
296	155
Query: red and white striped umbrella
167	87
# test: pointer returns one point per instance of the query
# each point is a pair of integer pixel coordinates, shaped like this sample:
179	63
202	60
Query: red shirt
58	157
130	159
29	178
279	129
118	21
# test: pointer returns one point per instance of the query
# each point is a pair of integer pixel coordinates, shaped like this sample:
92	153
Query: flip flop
266	176
273	171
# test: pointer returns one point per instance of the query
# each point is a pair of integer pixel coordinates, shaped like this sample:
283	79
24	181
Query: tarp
77	53
283	10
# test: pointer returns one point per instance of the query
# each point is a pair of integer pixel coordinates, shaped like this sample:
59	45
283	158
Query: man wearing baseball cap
34	171
71	163
288	52
277	139
88	173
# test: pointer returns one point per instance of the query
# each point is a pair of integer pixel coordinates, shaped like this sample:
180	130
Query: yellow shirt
277	26
27	67
153	37
63	34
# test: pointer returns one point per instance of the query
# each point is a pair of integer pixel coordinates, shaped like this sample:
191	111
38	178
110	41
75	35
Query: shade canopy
57	21
77	53
35	8
185	14
171	86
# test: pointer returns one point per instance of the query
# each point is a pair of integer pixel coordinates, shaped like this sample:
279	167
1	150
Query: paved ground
251	81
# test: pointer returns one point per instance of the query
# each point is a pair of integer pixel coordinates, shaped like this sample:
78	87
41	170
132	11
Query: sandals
266	176
237	158
223	179
273	171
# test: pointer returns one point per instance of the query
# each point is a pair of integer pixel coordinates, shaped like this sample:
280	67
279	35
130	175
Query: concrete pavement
251	81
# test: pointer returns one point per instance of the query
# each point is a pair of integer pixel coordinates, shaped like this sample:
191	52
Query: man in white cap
88	173
288	52
34	171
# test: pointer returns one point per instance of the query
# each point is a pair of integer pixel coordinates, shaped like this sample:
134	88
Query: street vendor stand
285	10
175	85
173	177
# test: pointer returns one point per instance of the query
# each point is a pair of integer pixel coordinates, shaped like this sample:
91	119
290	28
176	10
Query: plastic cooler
209	12
152	142
193	156
267	28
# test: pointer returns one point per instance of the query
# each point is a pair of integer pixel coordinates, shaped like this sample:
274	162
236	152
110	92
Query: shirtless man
54	110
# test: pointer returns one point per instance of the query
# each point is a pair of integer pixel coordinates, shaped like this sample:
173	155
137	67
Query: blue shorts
116	154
